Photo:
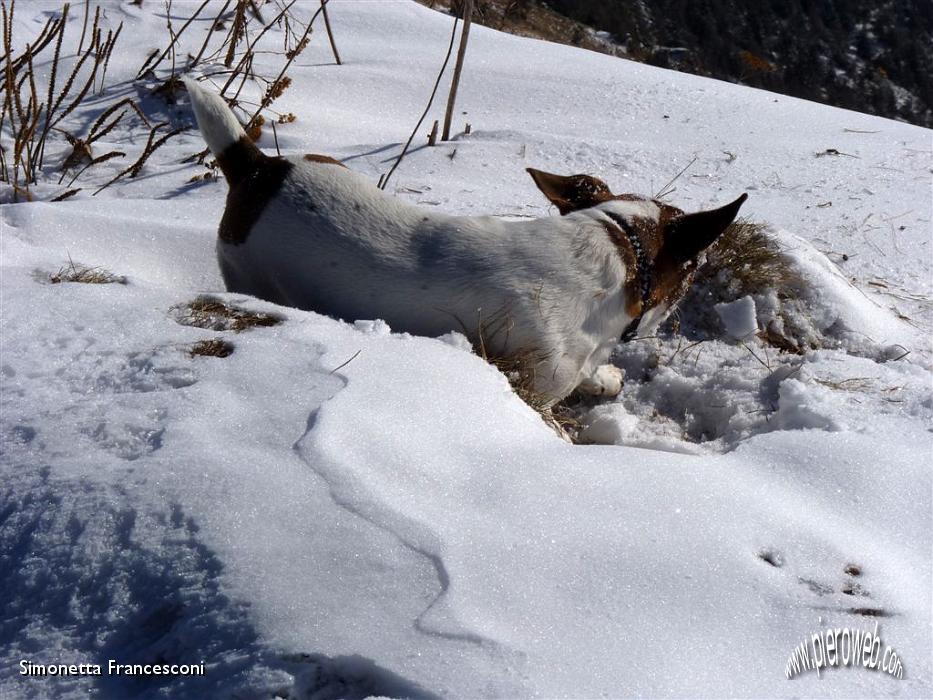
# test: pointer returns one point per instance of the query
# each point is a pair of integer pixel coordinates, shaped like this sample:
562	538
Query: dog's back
309	233
331	242
306	232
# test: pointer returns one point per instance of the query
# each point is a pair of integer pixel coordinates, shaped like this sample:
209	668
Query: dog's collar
642	270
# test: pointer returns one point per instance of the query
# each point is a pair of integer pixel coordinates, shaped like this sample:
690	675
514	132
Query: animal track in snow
818	587
125	440
772	557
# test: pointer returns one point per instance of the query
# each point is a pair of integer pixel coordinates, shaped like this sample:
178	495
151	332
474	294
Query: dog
559	292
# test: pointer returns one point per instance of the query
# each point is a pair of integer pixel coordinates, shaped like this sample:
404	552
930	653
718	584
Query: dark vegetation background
865	55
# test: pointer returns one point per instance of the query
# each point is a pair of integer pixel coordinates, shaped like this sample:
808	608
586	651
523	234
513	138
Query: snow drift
336	510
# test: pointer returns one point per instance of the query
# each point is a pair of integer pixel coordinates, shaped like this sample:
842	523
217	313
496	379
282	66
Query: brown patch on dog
643	275
669	247
633	304
683	237
254	179
317	158
571	192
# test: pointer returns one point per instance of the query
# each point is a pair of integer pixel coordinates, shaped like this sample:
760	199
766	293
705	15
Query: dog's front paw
605	381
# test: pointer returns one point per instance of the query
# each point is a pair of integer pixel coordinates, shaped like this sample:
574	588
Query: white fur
218	125
643	209
605	381
331	242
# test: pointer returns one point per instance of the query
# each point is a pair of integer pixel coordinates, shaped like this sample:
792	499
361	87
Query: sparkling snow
338	510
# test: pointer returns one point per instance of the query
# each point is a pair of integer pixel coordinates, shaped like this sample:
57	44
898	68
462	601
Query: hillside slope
336	510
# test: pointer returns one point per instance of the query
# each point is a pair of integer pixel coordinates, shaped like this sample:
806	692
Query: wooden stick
330	33
432	138
461	52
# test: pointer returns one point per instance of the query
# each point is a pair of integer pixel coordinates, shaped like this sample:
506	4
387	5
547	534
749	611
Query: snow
339	510
738	317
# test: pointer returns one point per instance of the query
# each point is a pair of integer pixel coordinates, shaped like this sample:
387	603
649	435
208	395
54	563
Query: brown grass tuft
85	275
745	260
215	347
519	369
213	314
752	260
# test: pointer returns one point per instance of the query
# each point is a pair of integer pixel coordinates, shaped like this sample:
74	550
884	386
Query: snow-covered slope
336	510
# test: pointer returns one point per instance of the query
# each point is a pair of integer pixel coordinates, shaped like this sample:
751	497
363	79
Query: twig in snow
458	67
763	363
834	152
344	364
664	191
384	179
275	137
330	33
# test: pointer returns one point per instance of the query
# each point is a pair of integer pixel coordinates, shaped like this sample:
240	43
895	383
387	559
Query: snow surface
337	510
739	317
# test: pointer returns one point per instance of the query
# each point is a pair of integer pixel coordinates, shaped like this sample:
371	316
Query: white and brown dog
309	233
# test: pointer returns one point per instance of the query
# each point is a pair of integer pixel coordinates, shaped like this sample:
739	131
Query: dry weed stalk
31	115
30	120
236	52
384	179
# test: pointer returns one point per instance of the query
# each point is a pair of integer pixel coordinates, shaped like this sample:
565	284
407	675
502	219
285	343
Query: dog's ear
688	235
571	192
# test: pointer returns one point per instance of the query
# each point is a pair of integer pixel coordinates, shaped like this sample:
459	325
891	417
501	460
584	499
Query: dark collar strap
642	269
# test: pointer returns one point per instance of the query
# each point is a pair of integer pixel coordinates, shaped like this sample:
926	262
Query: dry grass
241	27
753	261
858	384
744	261
30	111
215	347
213	314
519	369
85	275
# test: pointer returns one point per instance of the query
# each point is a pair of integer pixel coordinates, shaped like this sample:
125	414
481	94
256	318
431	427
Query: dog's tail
236	154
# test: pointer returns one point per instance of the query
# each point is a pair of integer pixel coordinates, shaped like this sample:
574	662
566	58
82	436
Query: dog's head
662	245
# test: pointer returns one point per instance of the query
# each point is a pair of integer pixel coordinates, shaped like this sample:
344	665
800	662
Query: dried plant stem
239	24
248	53
87	11
152	144
664	191
270	94
96	161
210	33
458	67
384	181
330	33
174	40
52	77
